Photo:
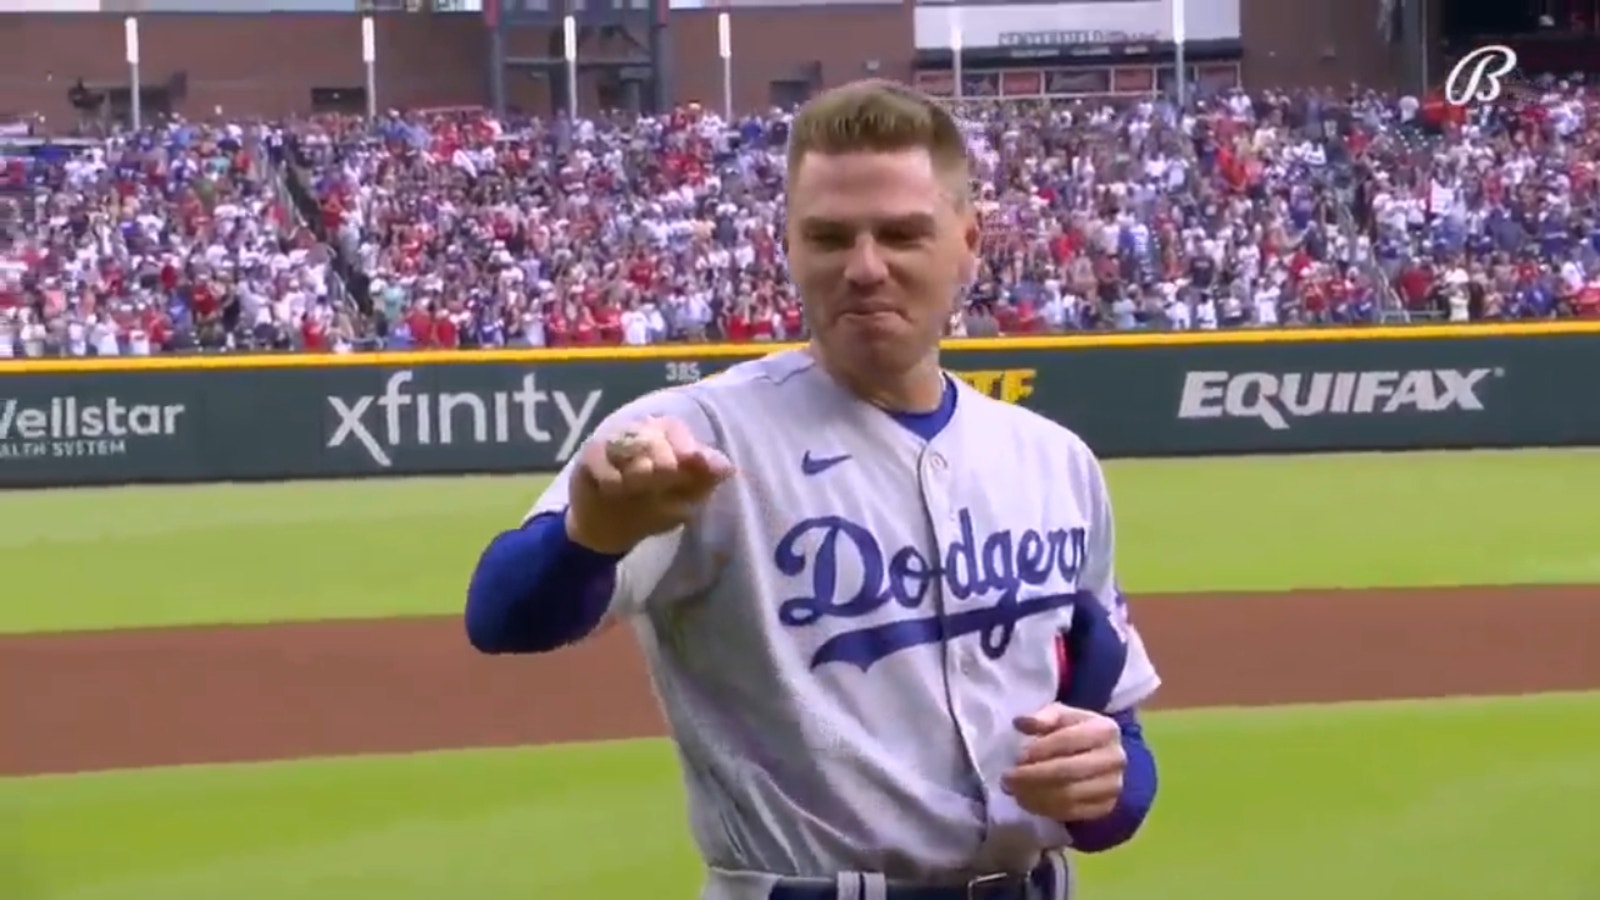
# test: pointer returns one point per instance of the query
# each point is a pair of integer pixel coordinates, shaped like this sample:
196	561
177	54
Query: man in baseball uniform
879	608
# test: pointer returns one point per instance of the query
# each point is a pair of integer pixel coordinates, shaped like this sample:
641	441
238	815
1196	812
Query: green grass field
1468	800
126	557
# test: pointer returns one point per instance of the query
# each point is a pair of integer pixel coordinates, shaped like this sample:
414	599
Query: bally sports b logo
995	580
1479	75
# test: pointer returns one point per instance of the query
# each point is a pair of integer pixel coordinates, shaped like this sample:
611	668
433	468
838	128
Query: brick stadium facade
268	64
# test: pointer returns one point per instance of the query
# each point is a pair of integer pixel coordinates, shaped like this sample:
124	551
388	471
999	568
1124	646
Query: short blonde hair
881	116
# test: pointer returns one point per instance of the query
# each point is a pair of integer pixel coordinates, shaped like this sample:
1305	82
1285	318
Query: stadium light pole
955	54
569	27
725	50
130	49
369	61
1180	34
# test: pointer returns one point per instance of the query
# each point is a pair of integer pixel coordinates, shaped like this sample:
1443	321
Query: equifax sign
1278	399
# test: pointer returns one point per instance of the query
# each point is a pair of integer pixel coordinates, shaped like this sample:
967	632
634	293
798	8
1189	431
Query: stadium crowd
453	229
167	240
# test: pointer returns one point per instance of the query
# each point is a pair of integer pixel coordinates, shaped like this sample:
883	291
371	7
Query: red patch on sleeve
1063	666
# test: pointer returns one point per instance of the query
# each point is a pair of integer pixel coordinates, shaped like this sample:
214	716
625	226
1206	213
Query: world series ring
625	446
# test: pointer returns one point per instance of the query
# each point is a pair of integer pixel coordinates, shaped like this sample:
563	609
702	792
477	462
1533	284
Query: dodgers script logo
990	571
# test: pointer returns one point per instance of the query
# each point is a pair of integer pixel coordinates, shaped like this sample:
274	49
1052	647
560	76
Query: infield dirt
87	701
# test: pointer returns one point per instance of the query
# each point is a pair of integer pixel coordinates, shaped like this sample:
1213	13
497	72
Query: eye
830	239
901	237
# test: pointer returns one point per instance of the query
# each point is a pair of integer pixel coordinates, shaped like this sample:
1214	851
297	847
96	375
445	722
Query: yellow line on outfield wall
747	351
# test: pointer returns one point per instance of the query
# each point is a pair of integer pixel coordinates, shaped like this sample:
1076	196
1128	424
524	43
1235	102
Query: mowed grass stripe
107	558
1467	799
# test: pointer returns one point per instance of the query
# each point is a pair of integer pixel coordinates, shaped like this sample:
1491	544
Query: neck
919	389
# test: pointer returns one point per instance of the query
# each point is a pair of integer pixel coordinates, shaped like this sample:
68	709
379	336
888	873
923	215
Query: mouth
869	316
871	322
866	311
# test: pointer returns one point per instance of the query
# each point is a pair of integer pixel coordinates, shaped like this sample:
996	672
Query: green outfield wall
250	418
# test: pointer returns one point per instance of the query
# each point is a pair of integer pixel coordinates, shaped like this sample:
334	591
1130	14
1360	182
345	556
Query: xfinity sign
399	418
1277	399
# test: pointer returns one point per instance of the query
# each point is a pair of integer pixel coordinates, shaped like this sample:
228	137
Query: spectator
1242	210
164	240
1489	213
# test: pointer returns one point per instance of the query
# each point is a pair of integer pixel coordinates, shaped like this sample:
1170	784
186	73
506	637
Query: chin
877	346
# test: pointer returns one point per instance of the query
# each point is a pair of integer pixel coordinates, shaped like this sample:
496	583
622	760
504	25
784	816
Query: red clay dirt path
80	702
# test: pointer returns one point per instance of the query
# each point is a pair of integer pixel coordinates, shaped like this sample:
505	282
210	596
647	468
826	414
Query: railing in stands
1391	310
277	173
292	169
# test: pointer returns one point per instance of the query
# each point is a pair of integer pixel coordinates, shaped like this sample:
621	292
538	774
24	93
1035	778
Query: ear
971	237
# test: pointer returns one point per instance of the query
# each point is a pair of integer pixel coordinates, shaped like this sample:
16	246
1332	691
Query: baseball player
879	608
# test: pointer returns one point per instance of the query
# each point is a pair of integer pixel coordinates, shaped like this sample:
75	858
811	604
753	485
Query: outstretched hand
640	480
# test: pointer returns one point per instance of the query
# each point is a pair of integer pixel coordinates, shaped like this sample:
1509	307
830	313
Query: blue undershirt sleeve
535	590
1138	794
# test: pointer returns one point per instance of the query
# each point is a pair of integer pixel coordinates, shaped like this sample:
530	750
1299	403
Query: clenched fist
1071	768
638	481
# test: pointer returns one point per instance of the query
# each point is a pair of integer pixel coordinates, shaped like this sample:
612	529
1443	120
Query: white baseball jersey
842	638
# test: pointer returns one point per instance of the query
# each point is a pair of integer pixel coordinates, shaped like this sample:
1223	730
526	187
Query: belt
984	887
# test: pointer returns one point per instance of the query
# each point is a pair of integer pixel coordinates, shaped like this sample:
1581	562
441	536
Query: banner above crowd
1086	24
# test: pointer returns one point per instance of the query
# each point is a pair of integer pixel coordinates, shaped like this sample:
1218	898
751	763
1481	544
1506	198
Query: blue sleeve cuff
1139	784
534	589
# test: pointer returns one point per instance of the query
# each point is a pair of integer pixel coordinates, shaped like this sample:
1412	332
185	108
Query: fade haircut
881	116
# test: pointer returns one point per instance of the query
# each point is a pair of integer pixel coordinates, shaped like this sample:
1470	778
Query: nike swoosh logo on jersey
811	465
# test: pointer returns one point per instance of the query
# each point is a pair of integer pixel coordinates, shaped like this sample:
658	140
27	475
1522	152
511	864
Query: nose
865	265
